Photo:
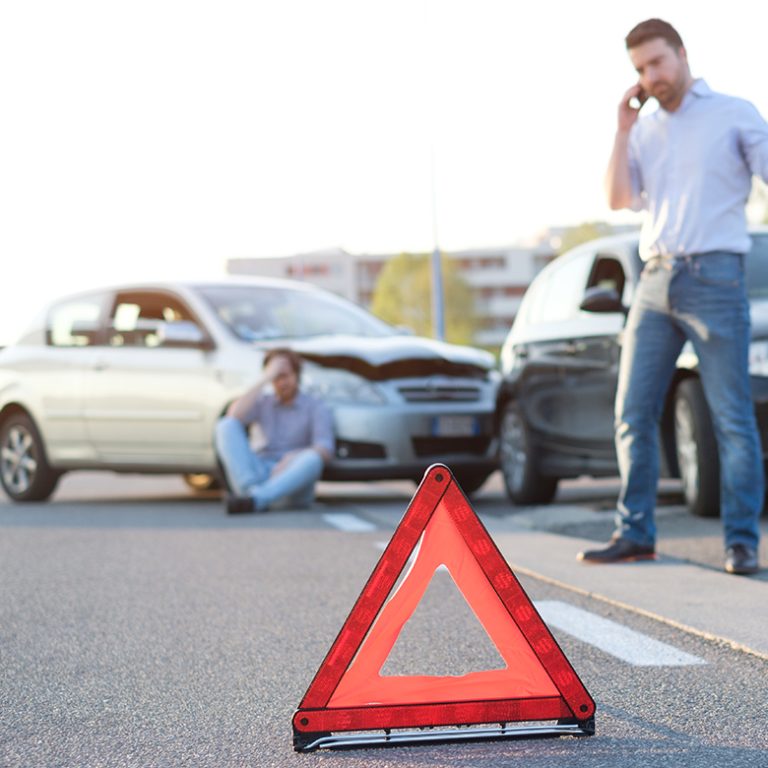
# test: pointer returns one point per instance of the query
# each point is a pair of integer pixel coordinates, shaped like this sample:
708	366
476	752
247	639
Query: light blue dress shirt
304	422
692	169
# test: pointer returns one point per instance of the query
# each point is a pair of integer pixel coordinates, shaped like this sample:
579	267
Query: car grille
440	446
427	393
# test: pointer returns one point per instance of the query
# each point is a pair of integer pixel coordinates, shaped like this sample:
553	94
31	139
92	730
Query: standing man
298	429
690	166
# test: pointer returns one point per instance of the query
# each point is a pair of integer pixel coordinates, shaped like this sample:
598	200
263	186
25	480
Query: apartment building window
485	262
308	270
371	268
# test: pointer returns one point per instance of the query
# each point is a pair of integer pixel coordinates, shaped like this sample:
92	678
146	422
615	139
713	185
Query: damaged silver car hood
390	357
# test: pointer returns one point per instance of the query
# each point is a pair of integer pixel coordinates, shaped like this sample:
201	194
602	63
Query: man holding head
689	165
297	427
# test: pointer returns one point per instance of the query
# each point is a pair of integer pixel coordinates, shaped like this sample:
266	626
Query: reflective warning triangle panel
348	693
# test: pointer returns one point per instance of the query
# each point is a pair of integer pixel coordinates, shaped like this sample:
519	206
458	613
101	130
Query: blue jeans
249	474
702	299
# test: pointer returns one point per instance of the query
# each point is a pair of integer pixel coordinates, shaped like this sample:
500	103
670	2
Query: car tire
471	481
24	470
524	482
696	449
200	481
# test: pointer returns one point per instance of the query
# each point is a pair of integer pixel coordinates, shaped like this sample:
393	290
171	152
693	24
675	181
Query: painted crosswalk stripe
349	523
609	636
613	638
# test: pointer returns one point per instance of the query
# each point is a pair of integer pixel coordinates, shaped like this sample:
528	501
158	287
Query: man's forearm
243	406
618	183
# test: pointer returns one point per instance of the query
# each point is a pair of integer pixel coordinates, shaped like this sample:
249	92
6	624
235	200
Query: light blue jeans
700	298
249	474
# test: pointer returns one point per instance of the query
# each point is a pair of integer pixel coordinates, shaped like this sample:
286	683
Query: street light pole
438	302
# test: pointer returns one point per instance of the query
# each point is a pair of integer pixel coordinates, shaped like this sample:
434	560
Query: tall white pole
438	302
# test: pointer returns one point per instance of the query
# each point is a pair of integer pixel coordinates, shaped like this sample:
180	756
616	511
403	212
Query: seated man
299	439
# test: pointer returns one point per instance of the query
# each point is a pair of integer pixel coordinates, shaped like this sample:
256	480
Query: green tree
583	233
403	296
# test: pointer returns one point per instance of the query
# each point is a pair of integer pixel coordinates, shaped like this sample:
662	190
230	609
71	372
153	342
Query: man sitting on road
298	429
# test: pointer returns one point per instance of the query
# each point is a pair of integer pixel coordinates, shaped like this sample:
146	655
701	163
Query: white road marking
622	642
349	523
612	637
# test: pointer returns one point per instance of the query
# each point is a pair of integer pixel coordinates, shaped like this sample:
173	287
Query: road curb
707	603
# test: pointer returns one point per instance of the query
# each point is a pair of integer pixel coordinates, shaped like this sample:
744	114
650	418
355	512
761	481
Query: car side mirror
598	299
182	333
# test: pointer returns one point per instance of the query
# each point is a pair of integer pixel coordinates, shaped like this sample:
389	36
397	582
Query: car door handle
100	365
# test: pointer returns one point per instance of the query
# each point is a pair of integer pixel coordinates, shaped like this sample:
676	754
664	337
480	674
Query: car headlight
342	386
758	358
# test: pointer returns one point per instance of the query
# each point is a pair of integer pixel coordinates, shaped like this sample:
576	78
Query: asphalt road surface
141	626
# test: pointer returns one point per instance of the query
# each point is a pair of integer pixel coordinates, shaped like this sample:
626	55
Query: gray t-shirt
305	421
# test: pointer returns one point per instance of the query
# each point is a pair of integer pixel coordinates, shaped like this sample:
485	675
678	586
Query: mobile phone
637	101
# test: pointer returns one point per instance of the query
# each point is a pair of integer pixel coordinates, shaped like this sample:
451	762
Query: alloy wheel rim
18	461
687	455
513	452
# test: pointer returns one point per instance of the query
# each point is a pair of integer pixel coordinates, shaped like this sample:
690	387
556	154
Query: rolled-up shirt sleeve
754	142
322	428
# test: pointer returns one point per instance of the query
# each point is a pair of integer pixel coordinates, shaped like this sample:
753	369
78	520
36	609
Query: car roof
631	238
253	281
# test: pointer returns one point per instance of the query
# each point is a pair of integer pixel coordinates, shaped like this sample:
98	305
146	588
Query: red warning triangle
349	693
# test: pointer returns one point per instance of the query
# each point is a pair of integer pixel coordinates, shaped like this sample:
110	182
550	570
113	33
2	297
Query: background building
498	278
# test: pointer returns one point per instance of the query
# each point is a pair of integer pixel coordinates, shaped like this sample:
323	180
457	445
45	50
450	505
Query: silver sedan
133	379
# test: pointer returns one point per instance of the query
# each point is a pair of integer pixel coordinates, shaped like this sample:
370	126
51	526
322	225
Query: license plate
454	426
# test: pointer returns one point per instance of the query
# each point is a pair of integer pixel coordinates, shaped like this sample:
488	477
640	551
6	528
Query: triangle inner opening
430	645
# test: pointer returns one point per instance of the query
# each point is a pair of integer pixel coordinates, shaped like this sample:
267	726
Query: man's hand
276	367
289	457
279	373
627	112
283	463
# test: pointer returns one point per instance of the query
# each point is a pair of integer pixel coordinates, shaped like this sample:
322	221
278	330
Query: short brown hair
293	358
652	29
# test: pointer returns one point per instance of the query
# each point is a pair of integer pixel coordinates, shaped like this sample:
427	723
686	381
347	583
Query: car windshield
757	267
260	313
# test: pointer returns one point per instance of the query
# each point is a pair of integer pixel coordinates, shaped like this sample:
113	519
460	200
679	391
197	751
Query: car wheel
24	470
696	449
524	483
471	481
201	481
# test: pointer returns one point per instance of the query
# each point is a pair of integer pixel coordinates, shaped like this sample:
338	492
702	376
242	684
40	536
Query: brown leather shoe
741	559
618	551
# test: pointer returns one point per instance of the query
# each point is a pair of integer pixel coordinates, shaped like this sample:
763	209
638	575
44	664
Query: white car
134	378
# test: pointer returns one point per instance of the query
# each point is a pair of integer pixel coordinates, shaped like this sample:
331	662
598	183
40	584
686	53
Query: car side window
607	272
137	318
75	322
559	298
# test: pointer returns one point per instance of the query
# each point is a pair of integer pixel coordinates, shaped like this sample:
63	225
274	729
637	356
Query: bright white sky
158	138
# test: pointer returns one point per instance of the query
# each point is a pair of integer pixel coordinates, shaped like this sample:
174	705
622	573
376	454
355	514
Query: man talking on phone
689	166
